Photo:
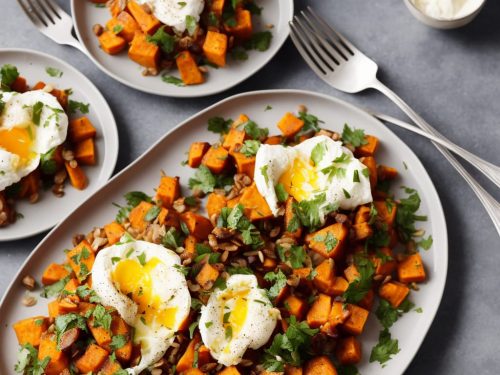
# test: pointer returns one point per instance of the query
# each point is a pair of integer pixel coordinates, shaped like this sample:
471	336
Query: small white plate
168	153
120	67
50	210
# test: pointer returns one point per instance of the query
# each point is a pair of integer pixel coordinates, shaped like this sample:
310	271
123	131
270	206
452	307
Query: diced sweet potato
190	244
198	225
114	231
217	7
386	173
60	95
274	140
231	370
351	273
48	348
369	148
290	370
114	6
29	331
111	43
81	259
362	231
187	359
290	125
325	275
53	308
411	269
383	261
386	211
328	241
338	314
196	153
207	276
119	327
127	25
256	207
215	48
215	203
348	351
394	292
296	306
77	176
355	323
138	214
244	164
146	21
362	215
110	367
53	273
19	85
143	52
339	286
319	311
216	159
92	360
80	129
168	190
243	29
234	137
289	216
320	365
188	69
85	152
101	335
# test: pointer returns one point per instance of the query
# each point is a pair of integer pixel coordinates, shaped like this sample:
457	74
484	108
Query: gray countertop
452	78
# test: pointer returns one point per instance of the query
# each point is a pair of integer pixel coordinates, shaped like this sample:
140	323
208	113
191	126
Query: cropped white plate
50	210
167	155
120	67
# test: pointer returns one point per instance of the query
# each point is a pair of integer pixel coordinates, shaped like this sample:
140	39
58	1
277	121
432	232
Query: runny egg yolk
134	280
235	314
17	141
301	180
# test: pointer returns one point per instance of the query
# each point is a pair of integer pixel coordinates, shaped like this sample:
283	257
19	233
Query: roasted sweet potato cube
235	137
215	203
77	176
338	314
125	23
290	370
92	360
244	164
29	331
328	241
114	231
243	29
319	311
362	215
217	7
80	129
216	159
215	48
296	306
325	275
138	214
48	348
111	43
146	21
362	231
320	365
231	370
198	225
386	173
19	84
351	273
339	286
256	207
348	351
274	140
85	152
53	273
394	292
168	190
207	276
383	261
143	52
188	69
369	148
101	335
290	125
196	153
289	218
81	259
386	211
411	269
355	323
110	367
187	359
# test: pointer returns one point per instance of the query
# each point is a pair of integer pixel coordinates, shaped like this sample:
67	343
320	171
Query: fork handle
491	205
73	42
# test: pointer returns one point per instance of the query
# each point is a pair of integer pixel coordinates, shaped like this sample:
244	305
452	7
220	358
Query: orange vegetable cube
394	292
362	231
348	351
215	203
92	360
295	306
325	275
215	48
215	159
243	28
411	269
207	276
386	211
146	21
126	23
80	129
77	176
369	148
328	241
53	273
196	153
81	259
235	137
29	331
320	365
289	216
386	173
85	152
143	52
114	232
168	191
355	323
319	311
198	225
48	348
217	8
290	125
188	69
274	140
244	164
339	286
256	207
138	214
111	43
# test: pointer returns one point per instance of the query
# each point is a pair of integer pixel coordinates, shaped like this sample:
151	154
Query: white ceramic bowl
439	23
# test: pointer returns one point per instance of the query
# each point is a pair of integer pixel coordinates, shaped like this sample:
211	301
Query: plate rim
180	94
114	143
444	252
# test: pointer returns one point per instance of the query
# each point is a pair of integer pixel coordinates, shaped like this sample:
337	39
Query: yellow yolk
17	141
238	313
134	280
300	181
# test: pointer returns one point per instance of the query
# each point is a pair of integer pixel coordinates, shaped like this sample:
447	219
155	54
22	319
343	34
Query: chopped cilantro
385	348
357	289
172	239
254	131
219	124
259	41
406	215
36	113
250	148
118	341
263	171
8	74
279	281
162	39
318	152
354	137
117	29
172	80
53	72
78	106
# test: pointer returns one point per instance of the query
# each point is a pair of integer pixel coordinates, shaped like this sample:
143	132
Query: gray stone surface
452	78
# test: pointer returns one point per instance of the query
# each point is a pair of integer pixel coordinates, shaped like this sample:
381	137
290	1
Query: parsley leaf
355	137
259	41
279	282
28	362
205	181
172	239
385	348
239	54
388	315
8	74
78	106
162	39
191	24
219	125
250	148
310	213
54	289
118	341
102	318
406	215
425	243
36	113
152	213
318	152
53	72
311	123
281	192
295	256
172	80
357	290
254	131
66	322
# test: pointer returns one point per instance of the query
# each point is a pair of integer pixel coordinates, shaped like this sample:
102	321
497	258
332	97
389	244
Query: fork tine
44	10
36	21
303	52
335	53
35	13
312	38
309	51
49	4
333	34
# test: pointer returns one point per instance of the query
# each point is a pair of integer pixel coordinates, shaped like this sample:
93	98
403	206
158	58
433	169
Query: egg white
168	283
273	160
256	330
50	133
173	12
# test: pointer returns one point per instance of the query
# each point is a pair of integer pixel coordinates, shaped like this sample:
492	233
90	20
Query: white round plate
50	210
168	153
120	67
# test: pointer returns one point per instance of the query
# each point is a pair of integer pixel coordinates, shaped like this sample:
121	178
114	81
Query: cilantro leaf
102	318
406	215
118	341
203	180
425	243
162	39
74	106
259	41
54	289
281	192
53	72
254	131
172	80
66	322
355	137
311	123
279	282
219	125
357	290
8	74
172	239
318	152
250	148
385	348
295	256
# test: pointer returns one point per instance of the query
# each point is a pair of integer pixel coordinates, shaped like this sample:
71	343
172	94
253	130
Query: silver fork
52	21
340	64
